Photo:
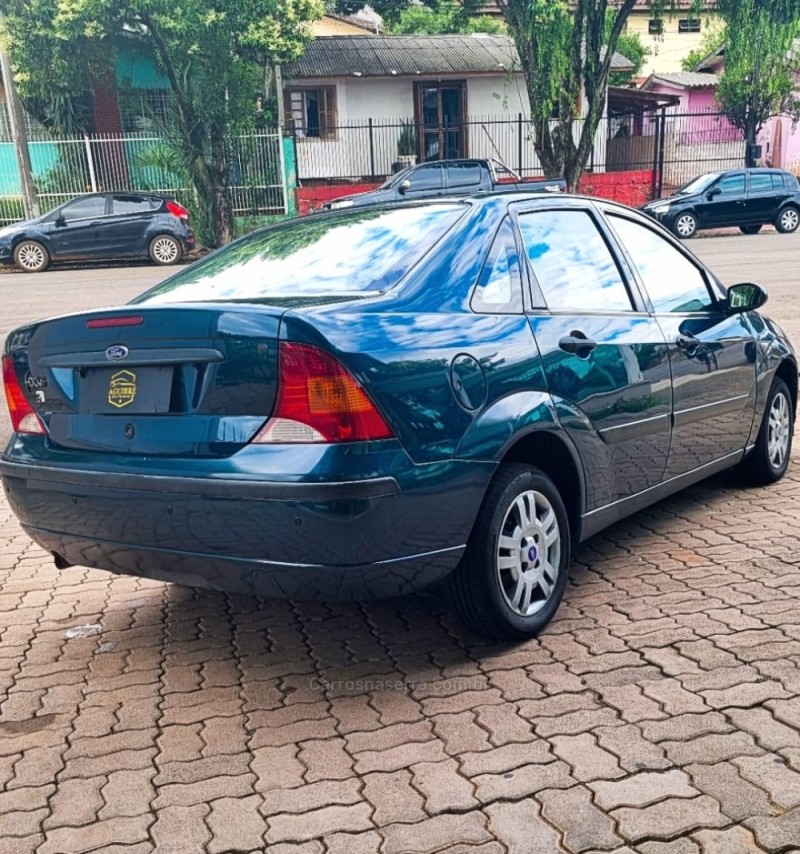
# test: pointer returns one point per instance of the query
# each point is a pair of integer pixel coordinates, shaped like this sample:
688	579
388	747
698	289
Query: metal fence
676	146
67	167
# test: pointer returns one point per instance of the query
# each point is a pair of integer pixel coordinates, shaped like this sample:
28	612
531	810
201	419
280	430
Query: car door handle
577	343
689	344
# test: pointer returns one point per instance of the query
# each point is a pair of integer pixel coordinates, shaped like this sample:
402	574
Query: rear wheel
165	250
749	229
31	257
769	459
685	225
514	572
788	220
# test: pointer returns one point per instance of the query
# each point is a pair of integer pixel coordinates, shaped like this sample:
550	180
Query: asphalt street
769	259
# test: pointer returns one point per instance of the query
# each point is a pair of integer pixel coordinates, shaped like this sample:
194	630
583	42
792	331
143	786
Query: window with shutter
311	113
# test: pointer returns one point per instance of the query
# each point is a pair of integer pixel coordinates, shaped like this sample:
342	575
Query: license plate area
132	391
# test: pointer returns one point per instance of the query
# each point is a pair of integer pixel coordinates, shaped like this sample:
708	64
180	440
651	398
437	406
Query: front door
75	230
605	357
440	110
712	354
727	205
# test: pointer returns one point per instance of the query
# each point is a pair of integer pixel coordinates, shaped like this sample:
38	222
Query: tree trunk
221	207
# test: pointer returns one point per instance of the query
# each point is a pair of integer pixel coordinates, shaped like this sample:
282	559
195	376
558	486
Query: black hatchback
100	226
747	198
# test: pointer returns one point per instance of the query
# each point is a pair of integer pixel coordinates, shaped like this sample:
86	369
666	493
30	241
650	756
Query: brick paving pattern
659	713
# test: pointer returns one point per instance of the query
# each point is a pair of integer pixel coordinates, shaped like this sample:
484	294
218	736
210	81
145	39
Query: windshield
698	184
394	179
336	254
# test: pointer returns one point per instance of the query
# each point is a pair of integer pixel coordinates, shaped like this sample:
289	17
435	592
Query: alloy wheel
165	250
779	429
30	256
528	553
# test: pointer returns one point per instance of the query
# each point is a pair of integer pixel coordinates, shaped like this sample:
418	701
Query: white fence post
90	161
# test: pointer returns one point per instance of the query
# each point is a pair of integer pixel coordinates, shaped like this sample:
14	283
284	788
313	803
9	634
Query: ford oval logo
116	353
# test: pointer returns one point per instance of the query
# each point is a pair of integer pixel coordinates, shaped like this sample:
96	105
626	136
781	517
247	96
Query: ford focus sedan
366	402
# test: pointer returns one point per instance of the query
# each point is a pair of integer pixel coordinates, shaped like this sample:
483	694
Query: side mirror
745	297
713	193
60	221
404	185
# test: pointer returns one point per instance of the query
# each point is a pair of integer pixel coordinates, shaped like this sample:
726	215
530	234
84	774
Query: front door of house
440	111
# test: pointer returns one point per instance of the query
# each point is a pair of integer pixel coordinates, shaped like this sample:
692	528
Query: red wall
630	188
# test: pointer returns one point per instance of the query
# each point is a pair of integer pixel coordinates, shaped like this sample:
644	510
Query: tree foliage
217	56
426	20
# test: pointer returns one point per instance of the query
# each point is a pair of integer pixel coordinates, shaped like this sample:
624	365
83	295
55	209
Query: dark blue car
100	226
366	402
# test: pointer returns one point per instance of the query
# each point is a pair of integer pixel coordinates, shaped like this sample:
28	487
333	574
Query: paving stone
745	695
635	753
642	789
685	727
389	736
520	827
679	846
235	825
769	733
631	703
368	842
326	760
737	797
668	818
76	802
776	833
460	733
582	825
506	758
402	756
734	840
204	791
181	830
711	748
445	790
674	698
522	781
277	768
771	773
394	798
100	835
587	759
311	797
504	724
320	823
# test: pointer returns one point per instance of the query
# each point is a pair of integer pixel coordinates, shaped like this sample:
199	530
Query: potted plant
407	144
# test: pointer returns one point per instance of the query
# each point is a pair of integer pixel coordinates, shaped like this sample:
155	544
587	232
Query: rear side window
464	175
673	282
499	289
761	183
343	253
87	208
778	182
133	204
572	262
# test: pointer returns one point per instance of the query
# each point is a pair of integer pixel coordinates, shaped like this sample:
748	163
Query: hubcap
30	257
789	220
685	226
779	427
529	553
165	250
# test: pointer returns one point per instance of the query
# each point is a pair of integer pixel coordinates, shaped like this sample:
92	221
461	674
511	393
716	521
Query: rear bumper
320	541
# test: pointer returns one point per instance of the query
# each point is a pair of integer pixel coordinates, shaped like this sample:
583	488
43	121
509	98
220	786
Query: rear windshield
343	253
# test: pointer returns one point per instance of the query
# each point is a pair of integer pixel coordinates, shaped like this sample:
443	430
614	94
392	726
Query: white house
354	104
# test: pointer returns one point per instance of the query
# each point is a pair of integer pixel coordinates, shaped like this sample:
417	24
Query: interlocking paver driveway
659	713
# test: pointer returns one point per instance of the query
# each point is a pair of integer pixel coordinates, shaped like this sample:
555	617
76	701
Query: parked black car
748	198
448	178
100	226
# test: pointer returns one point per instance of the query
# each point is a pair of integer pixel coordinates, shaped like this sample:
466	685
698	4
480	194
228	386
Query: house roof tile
684	79
395	56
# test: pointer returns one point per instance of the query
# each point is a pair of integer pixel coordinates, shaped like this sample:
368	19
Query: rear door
77	232
764	196
727	207
131	215
465	177
712	355
605	357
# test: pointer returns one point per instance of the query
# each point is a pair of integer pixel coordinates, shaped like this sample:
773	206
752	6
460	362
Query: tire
484	588
788	220
165	250
685	226
31	257
750	229
769	459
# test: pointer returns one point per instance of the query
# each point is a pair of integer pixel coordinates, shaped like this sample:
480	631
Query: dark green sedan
366	402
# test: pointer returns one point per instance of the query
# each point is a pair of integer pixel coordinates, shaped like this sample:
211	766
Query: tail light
319	401
23	417
177	210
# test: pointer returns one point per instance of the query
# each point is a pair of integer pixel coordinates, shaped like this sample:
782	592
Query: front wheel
749	229
31	257
788	220
514	572
165	250
685	225
769	459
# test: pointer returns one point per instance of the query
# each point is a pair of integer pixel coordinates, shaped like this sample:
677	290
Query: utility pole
752	153
19	136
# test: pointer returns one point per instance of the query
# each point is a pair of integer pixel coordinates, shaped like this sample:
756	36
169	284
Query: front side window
572	262
311	113
674	283
499	289
359	251
426	178
91	206
731	184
